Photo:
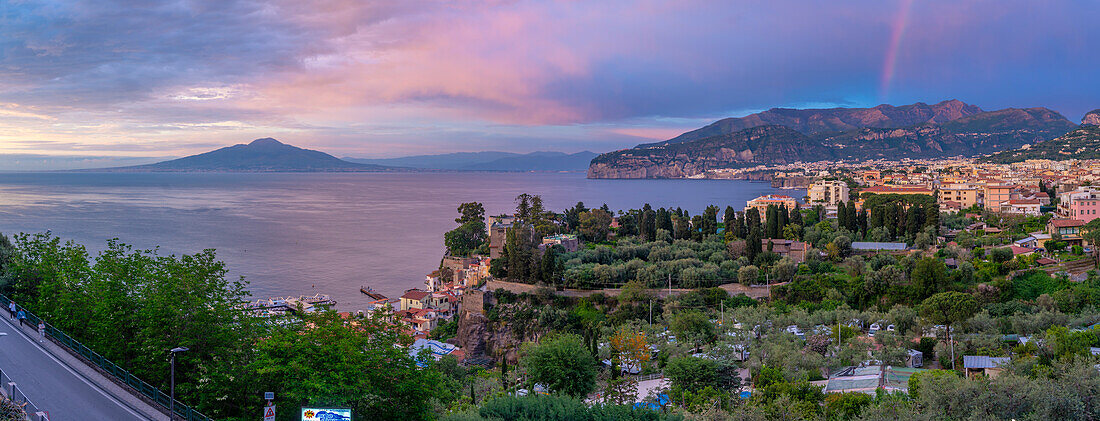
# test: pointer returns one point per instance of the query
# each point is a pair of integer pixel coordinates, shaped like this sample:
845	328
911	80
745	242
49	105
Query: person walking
41	331
11	309
22	315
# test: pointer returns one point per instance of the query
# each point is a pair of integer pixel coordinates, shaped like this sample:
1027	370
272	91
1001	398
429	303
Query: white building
828	192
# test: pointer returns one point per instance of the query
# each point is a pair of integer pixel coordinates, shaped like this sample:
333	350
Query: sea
308	233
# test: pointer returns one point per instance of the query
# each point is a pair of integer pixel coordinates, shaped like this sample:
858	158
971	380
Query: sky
83	81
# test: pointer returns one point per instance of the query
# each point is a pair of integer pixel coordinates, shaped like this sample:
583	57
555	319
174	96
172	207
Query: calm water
307	233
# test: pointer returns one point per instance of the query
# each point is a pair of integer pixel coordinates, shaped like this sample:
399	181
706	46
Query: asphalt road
53	385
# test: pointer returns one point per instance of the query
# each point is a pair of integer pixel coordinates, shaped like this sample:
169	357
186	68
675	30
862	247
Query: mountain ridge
956	129
260	155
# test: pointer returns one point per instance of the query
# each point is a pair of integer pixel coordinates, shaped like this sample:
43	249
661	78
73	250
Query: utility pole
172	383
670	285
650	313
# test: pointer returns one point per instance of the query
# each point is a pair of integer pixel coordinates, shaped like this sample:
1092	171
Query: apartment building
965	196
995	194
828	193
761	203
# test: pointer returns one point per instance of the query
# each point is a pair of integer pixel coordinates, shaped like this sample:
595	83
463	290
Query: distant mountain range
261	155
1083	143
778	136
270	155
490	161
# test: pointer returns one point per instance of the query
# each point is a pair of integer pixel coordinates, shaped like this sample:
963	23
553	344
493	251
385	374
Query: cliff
1091	119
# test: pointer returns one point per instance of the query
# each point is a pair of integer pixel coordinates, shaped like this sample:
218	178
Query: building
1065	227
867	247
828	193
893	189
419	299
567	241
1027	207
498	233
964	196
1083	204
978	365
761	203
995	194
795	250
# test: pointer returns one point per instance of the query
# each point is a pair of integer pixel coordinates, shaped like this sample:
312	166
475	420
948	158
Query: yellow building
964	196
995	194
761	203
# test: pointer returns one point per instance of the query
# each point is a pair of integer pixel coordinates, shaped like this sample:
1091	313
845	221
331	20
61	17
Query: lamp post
172	383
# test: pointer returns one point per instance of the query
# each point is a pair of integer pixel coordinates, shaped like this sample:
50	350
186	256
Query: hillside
261	155
1083	143
490	161
776	144
949	128
833	120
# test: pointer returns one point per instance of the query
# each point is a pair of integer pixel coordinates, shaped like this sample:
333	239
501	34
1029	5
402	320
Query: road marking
74	372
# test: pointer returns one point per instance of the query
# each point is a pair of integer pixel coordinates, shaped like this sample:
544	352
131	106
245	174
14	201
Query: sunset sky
376	79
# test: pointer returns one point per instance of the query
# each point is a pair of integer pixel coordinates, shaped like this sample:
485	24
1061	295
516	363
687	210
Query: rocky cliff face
1091	119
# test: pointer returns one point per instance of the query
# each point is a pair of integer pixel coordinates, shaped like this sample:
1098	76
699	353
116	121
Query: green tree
692	327
949	308
595	225
561	363
330	360
929	276
470	212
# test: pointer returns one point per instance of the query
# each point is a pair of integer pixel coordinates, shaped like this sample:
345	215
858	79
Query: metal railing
10	389
142	387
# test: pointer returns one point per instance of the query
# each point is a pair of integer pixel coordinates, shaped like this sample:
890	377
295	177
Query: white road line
74	372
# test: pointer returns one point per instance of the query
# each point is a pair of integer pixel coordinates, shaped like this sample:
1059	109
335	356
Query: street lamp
172	383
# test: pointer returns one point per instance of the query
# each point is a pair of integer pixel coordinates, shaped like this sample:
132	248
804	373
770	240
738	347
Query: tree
595	225
692	374
465	239
647	224
330	360
729	219
948	308
561	363
747	275
929	276
629	348
470	212
771	219
692	327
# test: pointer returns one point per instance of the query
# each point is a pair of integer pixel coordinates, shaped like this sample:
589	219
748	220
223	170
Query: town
884	270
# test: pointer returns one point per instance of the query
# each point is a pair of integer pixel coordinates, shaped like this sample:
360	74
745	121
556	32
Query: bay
306	233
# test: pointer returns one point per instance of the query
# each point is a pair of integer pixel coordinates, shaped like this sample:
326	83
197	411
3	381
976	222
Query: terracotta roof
1016	250
896	189
1023	202
415	294
1066	223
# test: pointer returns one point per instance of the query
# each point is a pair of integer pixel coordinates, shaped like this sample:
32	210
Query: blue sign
326	414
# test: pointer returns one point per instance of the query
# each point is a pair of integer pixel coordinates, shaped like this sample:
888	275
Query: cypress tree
771	221
784	218
841	215
729	219
796	216
853	223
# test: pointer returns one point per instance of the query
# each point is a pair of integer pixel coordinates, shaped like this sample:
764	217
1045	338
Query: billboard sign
326	414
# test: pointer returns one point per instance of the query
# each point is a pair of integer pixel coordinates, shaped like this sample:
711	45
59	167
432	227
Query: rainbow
888	67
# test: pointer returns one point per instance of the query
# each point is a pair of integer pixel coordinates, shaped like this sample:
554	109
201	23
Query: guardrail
10	388
142	387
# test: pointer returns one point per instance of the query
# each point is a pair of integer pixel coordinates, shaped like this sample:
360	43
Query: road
60	384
